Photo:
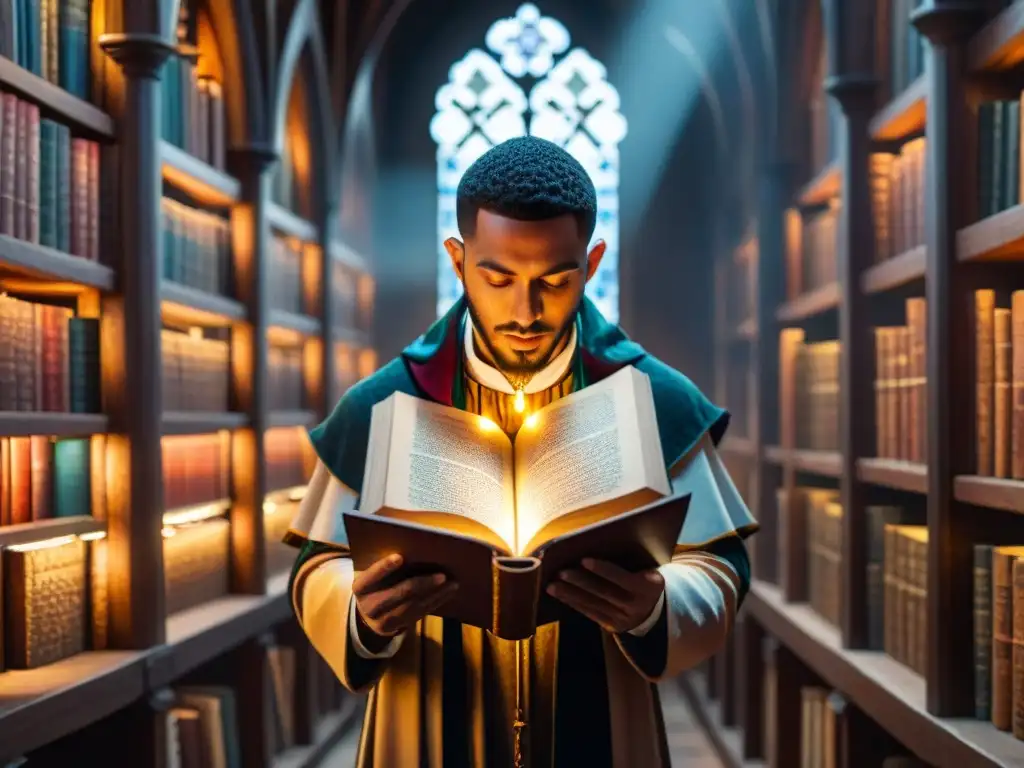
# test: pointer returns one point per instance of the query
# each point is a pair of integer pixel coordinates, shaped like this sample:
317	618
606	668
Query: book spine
1002	639
984	309
516	597
982	631
1002	402
1017	653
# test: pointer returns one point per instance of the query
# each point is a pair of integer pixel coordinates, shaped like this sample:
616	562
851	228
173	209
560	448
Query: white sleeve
353	632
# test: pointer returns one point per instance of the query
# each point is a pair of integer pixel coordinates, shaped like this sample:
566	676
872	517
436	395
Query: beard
519	367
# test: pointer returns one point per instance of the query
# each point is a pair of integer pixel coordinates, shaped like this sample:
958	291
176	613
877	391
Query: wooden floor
689	746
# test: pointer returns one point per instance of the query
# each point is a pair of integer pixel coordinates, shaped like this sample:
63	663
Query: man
444	694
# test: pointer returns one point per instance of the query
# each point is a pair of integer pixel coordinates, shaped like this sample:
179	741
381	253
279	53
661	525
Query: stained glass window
530	80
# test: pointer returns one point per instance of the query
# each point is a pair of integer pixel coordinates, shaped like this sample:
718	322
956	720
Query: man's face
524	282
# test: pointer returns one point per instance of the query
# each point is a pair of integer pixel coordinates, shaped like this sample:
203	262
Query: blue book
72	486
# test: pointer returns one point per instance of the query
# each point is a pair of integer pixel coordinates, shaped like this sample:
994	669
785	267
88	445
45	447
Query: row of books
195	470
352	364
289	458
43	478
817	395
825	554
999	156
49	181
193	109
740	384
901	402
49	359
285	285
739	291
353	298
904	587
898	199
49	38
196	372
821	737
999	636
811	249
197	247
287	383
999	381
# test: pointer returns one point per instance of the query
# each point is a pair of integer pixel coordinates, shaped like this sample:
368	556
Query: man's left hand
612	597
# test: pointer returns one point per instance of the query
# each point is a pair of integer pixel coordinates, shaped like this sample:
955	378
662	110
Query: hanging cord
519	744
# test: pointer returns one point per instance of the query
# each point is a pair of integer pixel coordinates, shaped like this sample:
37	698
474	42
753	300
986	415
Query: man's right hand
390	610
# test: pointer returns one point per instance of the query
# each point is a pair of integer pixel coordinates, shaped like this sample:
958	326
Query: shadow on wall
665	270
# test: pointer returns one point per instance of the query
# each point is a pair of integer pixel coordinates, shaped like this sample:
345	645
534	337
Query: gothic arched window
531	82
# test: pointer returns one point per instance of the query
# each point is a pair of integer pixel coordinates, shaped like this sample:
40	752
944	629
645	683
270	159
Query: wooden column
253	695
850	30
750	685
249	365
951	204
131	355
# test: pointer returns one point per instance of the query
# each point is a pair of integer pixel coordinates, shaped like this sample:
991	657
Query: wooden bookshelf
889	473
957	251
895	272
813	302
124	288
903	115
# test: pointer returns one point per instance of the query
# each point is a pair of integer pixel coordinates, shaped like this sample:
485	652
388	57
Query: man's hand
608	595
390	610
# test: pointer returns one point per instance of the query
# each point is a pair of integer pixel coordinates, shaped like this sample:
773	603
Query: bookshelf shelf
999	45
203	183
38	706
990	492
882	688
329	732
822	187
892	273
56	424
351	336
288	223
347	256
809	304
995	238
304	325
824	463
776	454
904	115
56	100
202	633
200	423
191	305
890	473
739	446
27	533
23	258
292	418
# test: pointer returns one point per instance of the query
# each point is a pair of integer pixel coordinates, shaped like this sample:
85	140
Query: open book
450	491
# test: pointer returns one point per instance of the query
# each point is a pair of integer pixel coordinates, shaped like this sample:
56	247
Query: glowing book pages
449	490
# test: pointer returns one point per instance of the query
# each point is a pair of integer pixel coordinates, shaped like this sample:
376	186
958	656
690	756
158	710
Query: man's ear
594	258
457	253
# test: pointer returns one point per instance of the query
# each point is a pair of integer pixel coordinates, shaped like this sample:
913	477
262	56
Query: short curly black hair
528	179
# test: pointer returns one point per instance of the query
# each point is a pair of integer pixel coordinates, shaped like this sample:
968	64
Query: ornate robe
444	694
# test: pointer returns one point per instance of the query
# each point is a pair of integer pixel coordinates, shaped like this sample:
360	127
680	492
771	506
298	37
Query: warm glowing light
269	507
520	401
93	536
487	425
57	541
167	532
531	421
195	332
195	514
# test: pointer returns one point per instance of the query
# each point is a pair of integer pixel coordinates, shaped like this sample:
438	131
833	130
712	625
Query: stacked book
817	396
901	398
196	372
285	283
286	458
49	359
287	384
43	478
898	190
49	38
197	247
905	586
195	470
999	384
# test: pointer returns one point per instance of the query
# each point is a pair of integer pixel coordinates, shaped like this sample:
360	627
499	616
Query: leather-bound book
44	602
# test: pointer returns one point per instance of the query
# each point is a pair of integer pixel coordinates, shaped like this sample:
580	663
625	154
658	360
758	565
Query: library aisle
687	742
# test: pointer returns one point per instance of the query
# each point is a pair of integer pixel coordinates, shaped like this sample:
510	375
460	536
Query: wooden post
750	685
131	356
249	365
850	31
253	695
951	205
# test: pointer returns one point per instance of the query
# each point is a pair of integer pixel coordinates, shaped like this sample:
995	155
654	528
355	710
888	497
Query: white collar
490	377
